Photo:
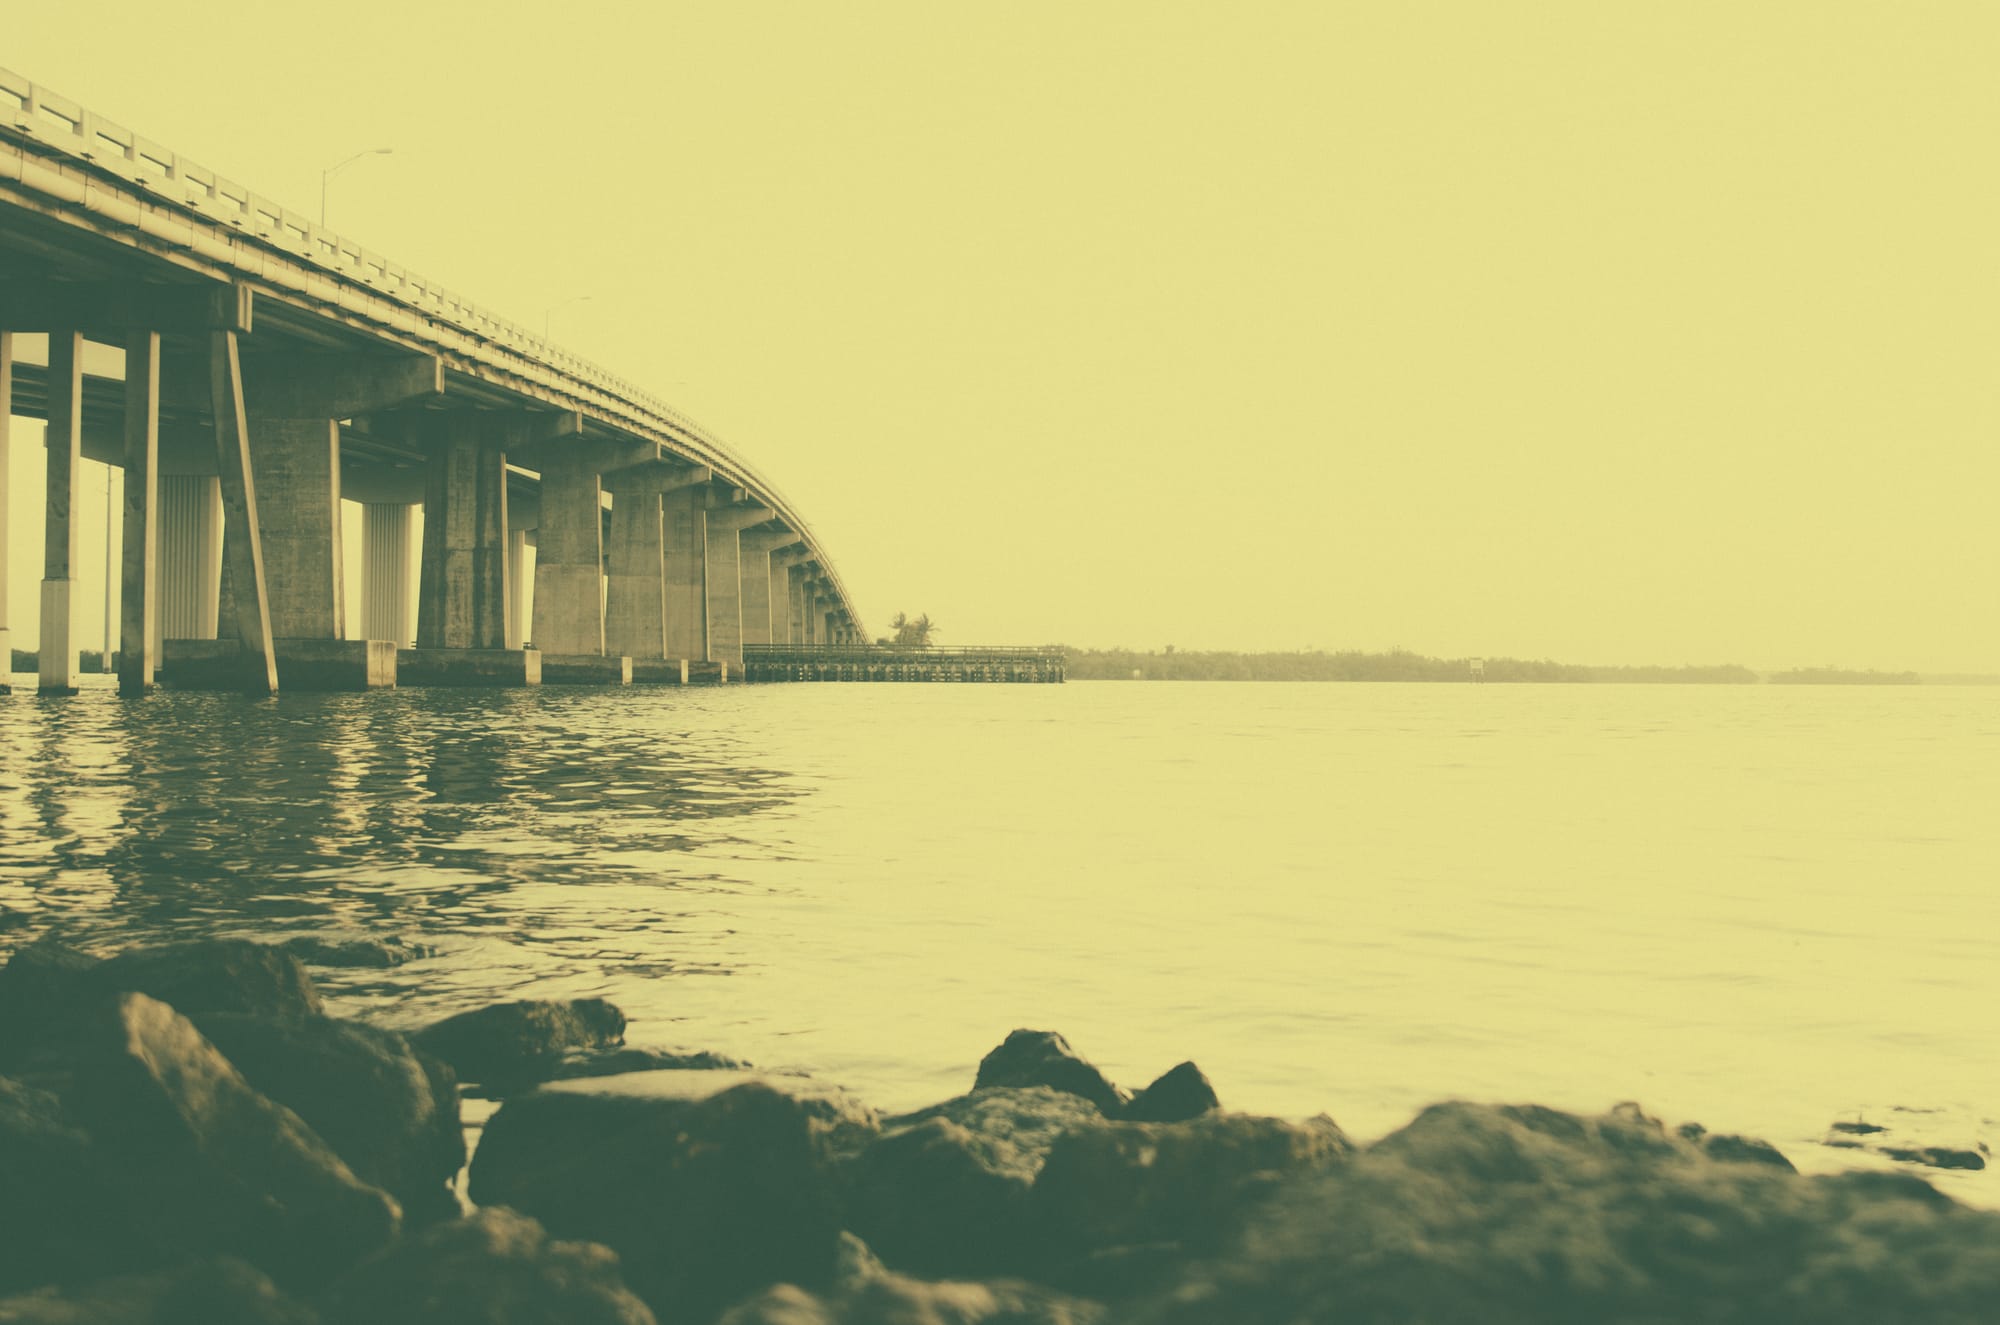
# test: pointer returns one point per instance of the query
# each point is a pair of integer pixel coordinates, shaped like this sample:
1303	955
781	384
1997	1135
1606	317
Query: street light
333	170
573	299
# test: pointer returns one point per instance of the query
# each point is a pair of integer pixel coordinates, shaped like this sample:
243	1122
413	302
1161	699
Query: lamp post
573	299
333	170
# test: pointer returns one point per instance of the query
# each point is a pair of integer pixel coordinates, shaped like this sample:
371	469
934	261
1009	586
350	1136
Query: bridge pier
569	560
685	529
638	591
463	586
726	579
139	579
762	612
783	618
58	650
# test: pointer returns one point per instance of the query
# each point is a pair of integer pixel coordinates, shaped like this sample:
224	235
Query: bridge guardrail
65	126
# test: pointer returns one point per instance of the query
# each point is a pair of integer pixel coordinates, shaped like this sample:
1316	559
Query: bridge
249	371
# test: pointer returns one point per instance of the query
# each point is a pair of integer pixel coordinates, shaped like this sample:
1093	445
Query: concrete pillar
727	581
463	587
138	633
387	538
762	611
298	482
517	586
635	611
569	561
59	547
685	524
243	540
6	457
782	616
190	552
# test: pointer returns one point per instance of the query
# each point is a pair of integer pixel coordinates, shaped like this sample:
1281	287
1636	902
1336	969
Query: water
1762	907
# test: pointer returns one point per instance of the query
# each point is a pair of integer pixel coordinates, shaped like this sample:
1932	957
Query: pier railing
876	662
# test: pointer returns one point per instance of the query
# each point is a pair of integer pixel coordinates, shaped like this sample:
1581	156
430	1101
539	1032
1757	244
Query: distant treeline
89	660
1402	665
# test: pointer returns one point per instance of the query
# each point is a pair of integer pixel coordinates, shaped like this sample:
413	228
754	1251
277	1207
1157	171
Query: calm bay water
1762	907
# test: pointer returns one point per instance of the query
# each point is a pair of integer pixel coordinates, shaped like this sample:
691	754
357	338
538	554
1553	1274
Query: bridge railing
64	126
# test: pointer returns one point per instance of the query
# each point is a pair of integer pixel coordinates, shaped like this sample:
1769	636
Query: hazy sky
1613	332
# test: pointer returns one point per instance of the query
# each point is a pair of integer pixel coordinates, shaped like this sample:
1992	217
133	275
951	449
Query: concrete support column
569	561
190	550
685	525
58	650
763	612
635	611
138	632
243	541
387	539
464	587
6	458
298	481
784	620
727	581
517	587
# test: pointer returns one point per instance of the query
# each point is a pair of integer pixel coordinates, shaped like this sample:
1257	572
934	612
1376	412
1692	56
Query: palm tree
912	634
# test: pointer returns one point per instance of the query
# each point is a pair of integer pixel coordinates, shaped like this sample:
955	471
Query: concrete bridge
249	370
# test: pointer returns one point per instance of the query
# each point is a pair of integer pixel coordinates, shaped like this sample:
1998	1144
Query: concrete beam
657	477
323	385
123	306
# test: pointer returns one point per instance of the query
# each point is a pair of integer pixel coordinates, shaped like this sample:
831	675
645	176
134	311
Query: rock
224	1291
518	1044
1937	1157
496	1267
1181	1093
373	953
388	1110
203	1162
58	1218
43	986
618	1062
1519	1215
867	1294
1859	1128
11	920
1125	1199
215	975
1044	1058
708	1185
945	1191
1733	1149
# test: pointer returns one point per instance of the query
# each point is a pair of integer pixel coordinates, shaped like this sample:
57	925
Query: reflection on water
1763	907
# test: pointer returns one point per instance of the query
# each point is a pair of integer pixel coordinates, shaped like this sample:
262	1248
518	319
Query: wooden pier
862	662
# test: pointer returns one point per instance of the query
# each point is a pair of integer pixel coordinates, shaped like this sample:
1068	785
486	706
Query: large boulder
223	1291
1044	1058
388	1110
496	1267
215	975
708	1185
1122	1203
205	1164
945	1191
1521	1215
511	1045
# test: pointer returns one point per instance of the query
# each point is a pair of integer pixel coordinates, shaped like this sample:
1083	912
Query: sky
1608	332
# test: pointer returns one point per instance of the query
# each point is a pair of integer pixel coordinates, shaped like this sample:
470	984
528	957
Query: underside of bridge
249	372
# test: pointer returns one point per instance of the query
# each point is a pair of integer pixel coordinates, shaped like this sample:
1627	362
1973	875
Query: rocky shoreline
185	1136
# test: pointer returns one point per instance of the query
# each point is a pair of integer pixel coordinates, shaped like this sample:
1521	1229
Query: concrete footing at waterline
589	669
469	667
303	664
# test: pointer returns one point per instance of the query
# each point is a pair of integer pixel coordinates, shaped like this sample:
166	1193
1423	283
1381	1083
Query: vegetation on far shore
1170	664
